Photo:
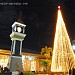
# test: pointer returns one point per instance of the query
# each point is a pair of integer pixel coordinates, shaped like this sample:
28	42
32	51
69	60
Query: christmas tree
63	55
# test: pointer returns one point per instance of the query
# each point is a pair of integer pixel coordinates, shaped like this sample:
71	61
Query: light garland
63	55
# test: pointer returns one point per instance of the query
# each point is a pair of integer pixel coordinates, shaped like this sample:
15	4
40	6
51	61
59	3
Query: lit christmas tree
63	55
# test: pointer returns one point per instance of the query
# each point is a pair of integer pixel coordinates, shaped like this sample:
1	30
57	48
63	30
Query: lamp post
17	36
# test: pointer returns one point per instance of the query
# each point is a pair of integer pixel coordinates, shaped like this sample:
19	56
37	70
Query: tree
44	64
47	52
63	56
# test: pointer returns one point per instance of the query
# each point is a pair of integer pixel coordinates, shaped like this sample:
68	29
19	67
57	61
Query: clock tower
17	36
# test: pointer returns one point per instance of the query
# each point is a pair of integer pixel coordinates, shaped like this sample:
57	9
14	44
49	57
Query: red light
58	7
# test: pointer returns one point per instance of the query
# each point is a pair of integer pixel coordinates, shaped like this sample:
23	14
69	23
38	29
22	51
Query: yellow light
63	55
28	64
42	69
19	29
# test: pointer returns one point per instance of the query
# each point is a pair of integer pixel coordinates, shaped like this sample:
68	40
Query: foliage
44	63
28	73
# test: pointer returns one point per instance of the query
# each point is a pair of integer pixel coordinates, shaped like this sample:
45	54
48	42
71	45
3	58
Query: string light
63	55
58	7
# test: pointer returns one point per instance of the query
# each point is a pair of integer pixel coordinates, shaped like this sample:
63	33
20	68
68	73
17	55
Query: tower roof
20	18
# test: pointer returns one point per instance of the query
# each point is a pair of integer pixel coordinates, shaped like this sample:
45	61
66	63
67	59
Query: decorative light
58	7
63	55
19	29
23	57
73	47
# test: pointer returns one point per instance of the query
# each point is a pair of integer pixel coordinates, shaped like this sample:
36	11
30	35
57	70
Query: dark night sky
40	19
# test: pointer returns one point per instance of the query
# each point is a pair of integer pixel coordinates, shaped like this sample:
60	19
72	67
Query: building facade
30	61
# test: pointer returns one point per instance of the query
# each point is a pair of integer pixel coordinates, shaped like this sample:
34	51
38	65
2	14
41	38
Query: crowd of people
6	70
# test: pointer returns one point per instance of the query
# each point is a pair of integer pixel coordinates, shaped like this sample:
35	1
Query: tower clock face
19	29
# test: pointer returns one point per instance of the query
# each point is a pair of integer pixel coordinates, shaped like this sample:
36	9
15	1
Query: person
2	69
70	71
21	73
73	71
6	70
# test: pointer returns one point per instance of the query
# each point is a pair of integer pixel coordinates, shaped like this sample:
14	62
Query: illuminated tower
63	55
17	36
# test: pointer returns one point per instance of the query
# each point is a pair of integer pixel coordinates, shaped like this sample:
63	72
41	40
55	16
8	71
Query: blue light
73	46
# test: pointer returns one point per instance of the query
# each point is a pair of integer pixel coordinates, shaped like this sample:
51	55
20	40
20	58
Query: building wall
30	63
